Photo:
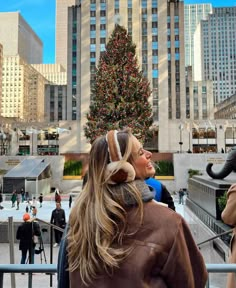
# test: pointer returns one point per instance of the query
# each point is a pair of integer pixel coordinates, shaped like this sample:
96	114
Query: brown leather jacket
229	217
164	255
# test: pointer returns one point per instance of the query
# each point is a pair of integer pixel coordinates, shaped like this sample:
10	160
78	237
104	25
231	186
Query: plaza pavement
199	231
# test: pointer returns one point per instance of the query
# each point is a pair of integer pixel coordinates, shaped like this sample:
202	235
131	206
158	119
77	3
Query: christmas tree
120	93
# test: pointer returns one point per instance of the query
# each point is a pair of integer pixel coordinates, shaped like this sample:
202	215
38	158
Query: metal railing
27	268
216	236
52	268
219	268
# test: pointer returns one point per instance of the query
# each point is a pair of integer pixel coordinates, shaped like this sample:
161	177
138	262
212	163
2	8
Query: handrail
52	268
216	236
28	268
219	268
50	224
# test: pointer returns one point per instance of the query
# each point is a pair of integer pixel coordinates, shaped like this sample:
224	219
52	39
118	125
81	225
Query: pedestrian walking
27	196
40	200
181	196
58	218
1	199
70	201
25	233
57	196
13	198
22	191
33	203
18	200
34	211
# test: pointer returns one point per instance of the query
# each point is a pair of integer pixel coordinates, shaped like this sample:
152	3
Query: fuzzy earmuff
119	170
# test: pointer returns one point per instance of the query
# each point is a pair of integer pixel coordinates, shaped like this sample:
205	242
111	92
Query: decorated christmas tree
120	93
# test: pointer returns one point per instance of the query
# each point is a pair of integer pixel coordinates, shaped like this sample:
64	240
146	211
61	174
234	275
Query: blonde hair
98	220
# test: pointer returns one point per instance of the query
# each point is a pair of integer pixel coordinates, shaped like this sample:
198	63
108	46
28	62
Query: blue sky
40	15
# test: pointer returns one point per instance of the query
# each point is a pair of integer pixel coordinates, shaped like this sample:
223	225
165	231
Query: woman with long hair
118	235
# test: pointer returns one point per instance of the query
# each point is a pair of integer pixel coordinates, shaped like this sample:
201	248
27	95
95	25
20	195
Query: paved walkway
199	231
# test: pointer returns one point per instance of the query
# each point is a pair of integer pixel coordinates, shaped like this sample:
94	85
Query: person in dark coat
1	199
25	233
181	196
161	194
70	201
58	218
40	200
13	198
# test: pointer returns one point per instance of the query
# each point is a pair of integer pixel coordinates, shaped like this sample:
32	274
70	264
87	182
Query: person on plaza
58	218
27	196
34	211
117	235
33	203
22	191
161	194
25	233
13	198
57	196
1	200
40	200
229	217
181	196
18	200
70	200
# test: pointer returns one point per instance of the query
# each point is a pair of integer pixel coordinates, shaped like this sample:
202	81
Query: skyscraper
61	30
158	33
215	43
18	38
193	13
22	90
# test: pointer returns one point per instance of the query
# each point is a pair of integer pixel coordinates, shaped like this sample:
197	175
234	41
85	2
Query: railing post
208	282
1	279
11	246
30	278
51	252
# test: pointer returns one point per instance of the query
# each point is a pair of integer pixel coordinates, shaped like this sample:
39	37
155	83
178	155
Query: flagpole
189	138
233	133
180	138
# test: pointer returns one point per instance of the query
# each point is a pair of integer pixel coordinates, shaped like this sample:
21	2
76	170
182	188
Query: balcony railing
52	268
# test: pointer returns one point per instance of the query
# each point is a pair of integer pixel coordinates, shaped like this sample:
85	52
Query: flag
19	132
181	126
32	131
187	125
226	125
211	125
195	126
61	130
